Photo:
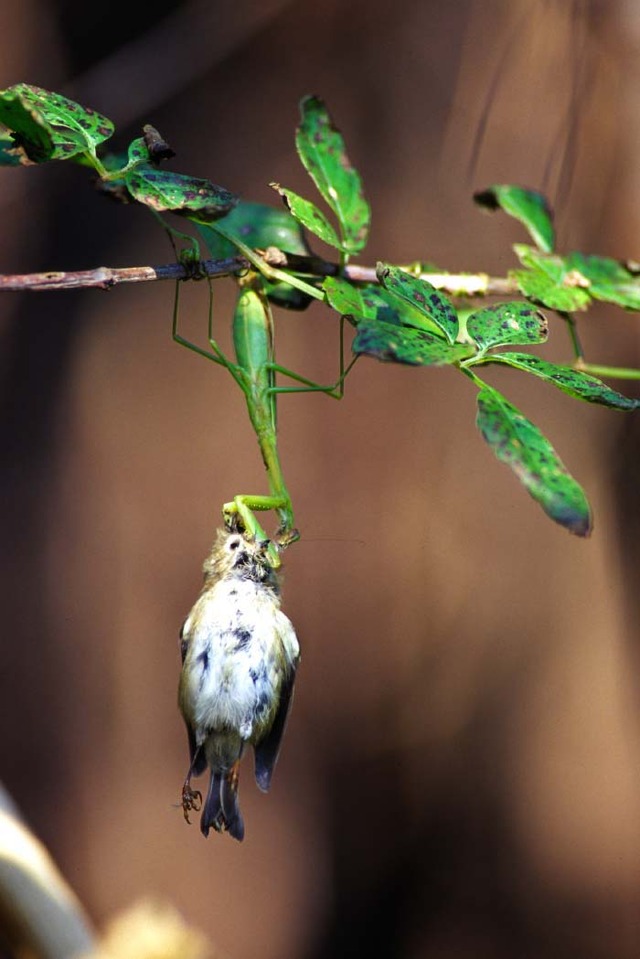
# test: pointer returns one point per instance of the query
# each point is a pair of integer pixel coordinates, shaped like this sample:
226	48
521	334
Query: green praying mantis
255	370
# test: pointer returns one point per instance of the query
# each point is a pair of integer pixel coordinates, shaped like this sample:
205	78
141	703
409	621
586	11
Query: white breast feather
228	698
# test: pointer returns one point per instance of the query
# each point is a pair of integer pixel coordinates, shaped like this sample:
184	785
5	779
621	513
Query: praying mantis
255	370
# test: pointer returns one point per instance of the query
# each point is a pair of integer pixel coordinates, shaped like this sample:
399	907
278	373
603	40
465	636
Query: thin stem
95	161
472	376
268	271
455	284
612	372
578	352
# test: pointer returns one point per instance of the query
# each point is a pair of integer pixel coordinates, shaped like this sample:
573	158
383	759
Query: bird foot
191	800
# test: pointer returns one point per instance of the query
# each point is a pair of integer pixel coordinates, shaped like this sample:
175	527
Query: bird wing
267	749
197	758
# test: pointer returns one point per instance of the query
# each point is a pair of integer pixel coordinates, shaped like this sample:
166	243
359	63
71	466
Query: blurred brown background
461	774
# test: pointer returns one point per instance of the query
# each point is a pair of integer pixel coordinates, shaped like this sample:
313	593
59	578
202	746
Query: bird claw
191	801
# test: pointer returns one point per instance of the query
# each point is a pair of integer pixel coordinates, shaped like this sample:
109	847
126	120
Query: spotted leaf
517	442
163	191
428	302
48	126
505	323
323	153
580	385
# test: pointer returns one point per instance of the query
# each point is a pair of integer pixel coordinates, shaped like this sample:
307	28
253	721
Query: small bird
239	659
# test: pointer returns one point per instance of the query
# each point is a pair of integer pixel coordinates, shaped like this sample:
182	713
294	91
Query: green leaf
528	206
549	280
163	191
373	302
464	313
138	152
310	216
380	304
580	385
32	136
399	344
507	323
344	297
258	226
540	289
551	264
322	151
48	126
598	269
518	443
608	279
422	296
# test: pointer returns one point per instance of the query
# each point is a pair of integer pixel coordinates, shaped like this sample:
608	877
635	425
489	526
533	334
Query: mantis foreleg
242	507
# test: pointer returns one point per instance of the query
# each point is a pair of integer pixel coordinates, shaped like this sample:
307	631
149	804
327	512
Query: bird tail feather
221	810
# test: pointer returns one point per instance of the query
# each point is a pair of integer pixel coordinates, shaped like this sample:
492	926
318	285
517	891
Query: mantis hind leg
335	390
215	354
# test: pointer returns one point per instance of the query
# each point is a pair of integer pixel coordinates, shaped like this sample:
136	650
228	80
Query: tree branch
456	284
104	277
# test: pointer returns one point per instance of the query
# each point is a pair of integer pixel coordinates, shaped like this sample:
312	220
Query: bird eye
234	543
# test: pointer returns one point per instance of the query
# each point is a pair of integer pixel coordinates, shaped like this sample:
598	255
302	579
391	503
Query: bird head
236	555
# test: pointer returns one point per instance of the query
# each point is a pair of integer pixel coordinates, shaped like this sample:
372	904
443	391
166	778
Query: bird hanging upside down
239	659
